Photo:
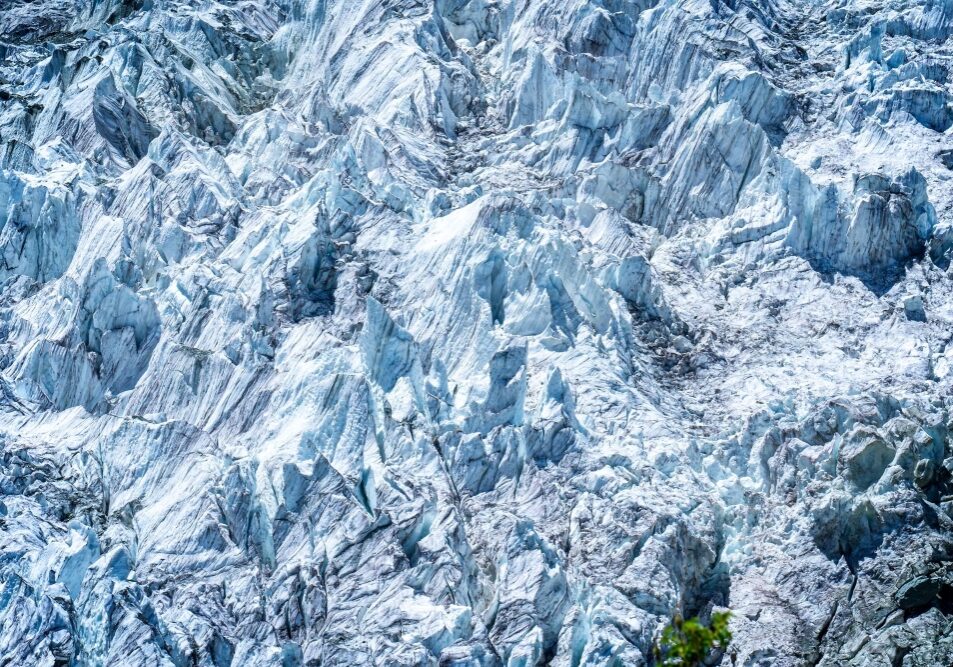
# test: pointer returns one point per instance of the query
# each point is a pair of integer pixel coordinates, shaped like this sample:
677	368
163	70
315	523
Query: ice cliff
475	332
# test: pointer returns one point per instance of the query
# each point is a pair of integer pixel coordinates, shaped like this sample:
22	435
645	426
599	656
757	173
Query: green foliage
689	643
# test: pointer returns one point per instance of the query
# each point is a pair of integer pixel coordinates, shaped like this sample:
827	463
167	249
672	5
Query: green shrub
689	643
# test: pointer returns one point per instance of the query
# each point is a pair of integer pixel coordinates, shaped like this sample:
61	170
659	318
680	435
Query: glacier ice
474	332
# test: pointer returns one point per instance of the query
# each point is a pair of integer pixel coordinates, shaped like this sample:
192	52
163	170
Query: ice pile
474	332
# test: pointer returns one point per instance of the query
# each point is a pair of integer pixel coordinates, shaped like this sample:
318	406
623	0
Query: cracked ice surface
474	332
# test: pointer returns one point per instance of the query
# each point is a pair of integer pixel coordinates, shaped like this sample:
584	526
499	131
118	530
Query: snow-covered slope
474	332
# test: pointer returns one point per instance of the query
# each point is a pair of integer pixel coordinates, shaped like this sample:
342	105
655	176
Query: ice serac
474	332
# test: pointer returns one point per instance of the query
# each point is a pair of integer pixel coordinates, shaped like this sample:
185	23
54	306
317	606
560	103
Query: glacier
475	332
